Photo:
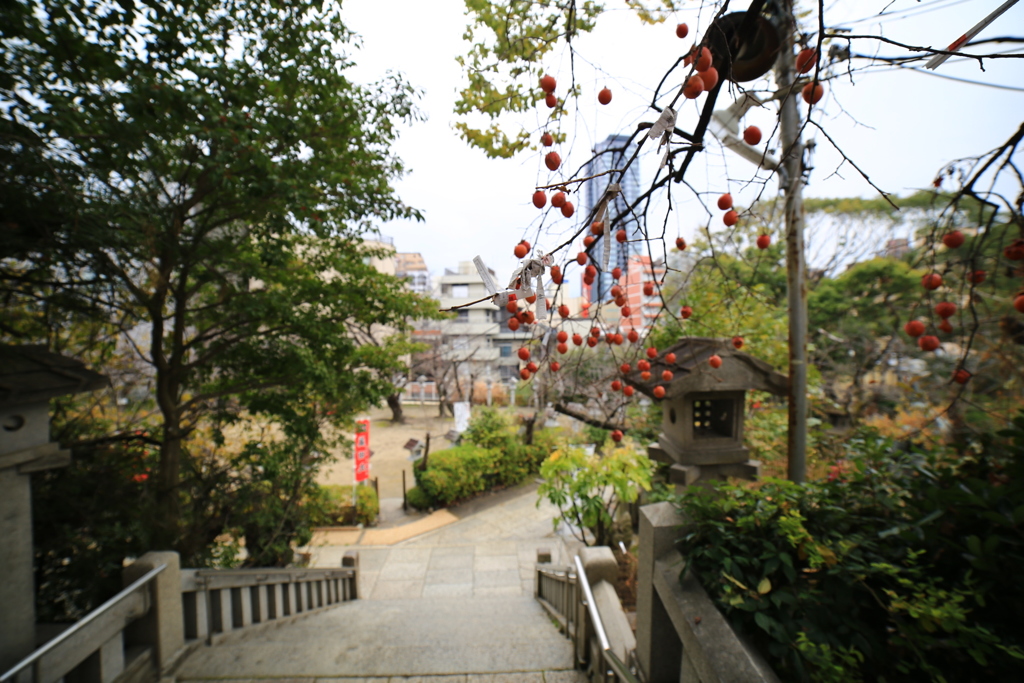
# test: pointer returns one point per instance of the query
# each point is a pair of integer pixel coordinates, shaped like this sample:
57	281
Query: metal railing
218	601
101	629
609	666
558	594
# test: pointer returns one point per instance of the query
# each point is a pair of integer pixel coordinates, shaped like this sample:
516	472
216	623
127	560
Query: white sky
899	126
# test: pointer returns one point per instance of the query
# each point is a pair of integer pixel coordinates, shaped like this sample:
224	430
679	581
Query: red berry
710	78
551	101
945	326
621	236
752	135
597	227
682	30
659	392
540	199
813	92
562	336
556	275
680	243
555	365
805	60
643	365
627	390
531	366
649	289
546	140
1018	303
558	200
524	353
616	273
953	239
670	359
666	376
605	96
731	218
928	342
616	434
633	336
652	352
616	385
626	312
1015	251
513	324
945	309
976	277
588	240
704	59
568	209
725	202
552	161
563	311
693	88
914	328
624	368
931	281
511	307
581	258
645	375
686	312
961	376
590	270
521	250
616	291
548	83
563	348
764	241
525	374
591	342
577	340
715	361
737	342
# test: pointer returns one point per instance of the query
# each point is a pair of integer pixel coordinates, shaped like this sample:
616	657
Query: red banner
362	454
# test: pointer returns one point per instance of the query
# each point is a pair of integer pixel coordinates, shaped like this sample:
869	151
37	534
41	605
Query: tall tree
200	173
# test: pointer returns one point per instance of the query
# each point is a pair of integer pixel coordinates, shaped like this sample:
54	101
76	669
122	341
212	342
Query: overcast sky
900	126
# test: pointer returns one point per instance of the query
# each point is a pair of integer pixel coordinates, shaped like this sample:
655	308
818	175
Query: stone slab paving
452	605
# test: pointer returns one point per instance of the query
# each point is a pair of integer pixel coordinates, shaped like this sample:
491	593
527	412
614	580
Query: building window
463	316
506	351
460	291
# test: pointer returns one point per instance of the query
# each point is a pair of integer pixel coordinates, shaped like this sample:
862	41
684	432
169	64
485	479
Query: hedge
338	505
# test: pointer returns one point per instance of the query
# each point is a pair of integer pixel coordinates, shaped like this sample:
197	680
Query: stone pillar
351	561
163	627
25	433
658	648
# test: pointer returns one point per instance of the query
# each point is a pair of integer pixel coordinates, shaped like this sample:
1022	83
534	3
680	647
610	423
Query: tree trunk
395	404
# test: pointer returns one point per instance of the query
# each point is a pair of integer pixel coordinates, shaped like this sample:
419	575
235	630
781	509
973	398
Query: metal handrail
617	664
80	625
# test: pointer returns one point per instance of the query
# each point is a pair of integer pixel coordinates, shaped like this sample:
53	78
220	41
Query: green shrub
417	499
456	473
898	569
490	428
338	507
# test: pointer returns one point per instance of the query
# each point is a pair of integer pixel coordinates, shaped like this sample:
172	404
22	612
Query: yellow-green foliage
339	509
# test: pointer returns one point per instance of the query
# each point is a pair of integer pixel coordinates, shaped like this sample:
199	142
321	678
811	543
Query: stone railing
141	633
216	602
582	599
681	636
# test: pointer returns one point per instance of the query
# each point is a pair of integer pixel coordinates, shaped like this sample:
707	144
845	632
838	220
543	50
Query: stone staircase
454	605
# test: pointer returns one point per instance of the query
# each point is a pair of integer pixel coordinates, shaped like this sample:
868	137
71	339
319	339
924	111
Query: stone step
398	638
560	676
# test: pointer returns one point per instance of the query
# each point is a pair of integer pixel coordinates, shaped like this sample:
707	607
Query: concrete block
543	556
616	625
659	649
683	475
163	627
600	565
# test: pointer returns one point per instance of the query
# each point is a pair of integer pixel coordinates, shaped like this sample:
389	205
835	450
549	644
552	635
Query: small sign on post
362	454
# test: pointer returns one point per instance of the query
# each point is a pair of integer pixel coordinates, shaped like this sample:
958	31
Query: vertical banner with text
362	455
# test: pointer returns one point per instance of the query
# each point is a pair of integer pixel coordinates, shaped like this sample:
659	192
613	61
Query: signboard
461	411
362	454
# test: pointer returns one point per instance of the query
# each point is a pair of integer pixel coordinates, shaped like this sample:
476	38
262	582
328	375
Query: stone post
163	627
658	648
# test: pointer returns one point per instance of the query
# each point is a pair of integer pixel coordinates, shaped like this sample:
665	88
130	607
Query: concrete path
454	604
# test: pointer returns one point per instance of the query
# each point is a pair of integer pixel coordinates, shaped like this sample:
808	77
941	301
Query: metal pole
792	185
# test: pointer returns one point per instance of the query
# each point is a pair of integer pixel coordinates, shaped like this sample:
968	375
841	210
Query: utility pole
791	182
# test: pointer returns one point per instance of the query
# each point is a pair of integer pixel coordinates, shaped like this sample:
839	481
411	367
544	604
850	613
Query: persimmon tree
766	55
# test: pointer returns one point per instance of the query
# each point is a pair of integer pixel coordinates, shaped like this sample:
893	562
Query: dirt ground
389	459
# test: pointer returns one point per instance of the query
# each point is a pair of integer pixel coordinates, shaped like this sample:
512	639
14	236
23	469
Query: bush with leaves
338	506
417	499
588	490
895	570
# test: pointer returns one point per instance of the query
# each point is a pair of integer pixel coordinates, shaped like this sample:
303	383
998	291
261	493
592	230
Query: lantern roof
30	374
692	373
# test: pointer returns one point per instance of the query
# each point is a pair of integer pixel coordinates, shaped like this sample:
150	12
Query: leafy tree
198	176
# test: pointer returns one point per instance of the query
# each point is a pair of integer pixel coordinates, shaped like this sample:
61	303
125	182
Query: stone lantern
703	408
29	377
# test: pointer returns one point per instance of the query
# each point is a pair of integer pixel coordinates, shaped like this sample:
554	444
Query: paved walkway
454	604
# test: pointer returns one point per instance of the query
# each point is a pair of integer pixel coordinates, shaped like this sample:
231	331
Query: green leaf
765	586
